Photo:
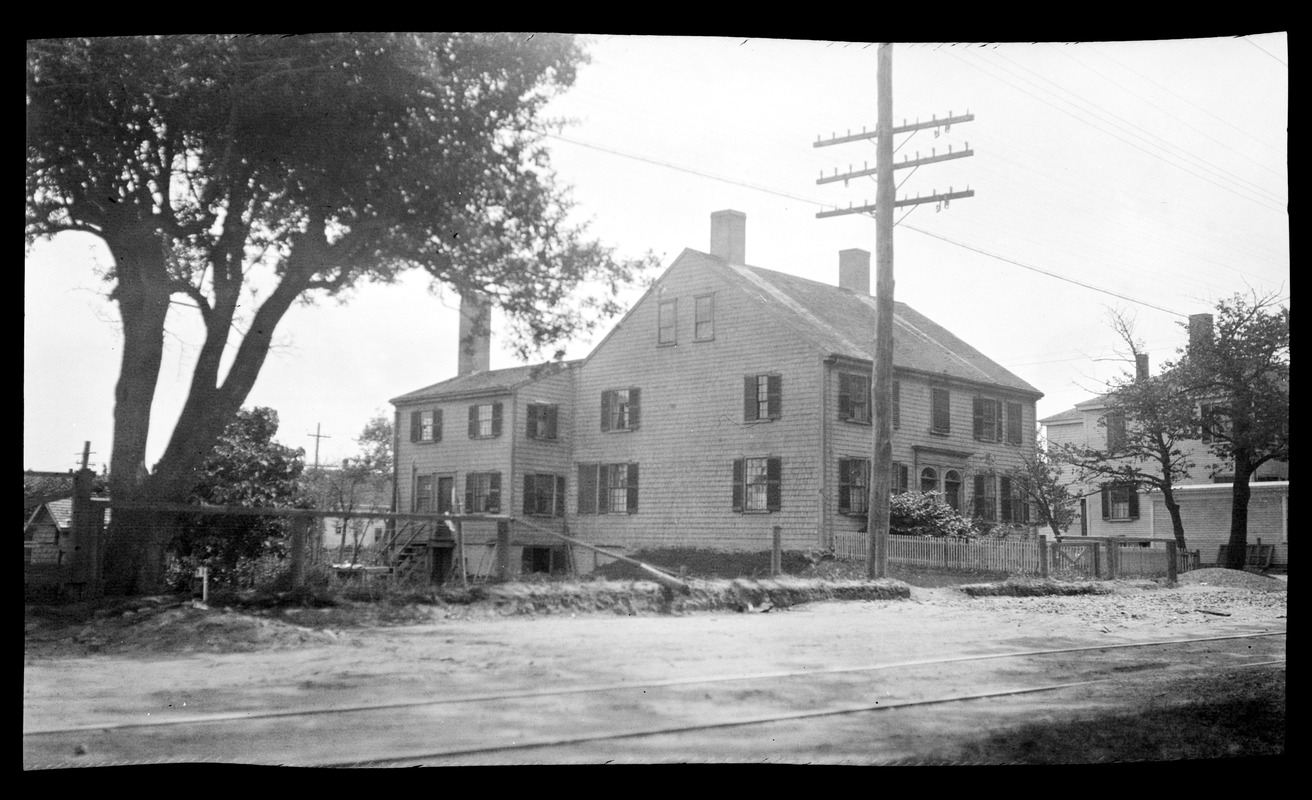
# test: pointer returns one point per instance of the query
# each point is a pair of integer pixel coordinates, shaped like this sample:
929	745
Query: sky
1145	178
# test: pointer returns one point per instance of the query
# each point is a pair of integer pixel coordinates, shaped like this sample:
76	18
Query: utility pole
881	477
317	436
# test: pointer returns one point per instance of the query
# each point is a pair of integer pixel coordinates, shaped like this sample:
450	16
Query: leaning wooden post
1043	555
776	556
1172	568
1112	553
88	526
503	550
460	552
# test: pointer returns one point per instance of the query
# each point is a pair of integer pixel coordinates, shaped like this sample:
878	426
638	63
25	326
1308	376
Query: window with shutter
1120	501
853	485
619	409
1115	424
758	484
940	410
426	425
762	397
541	421
1015	424
986	498
854	397
483	493
987	419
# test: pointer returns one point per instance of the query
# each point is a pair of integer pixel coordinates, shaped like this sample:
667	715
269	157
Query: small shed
54	559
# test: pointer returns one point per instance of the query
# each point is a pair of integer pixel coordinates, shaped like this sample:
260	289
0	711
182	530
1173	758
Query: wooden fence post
503	550
298	552
1112	548
776	555
1172	568
1043	555
88	530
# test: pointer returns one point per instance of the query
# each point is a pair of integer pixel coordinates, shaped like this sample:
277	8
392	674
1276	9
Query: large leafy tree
247	468
1239	374
228	173
1147	420
1040	478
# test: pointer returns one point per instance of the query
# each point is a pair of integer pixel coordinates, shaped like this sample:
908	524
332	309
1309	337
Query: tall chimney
1200	329
854	270
1140	366
729	236
475	333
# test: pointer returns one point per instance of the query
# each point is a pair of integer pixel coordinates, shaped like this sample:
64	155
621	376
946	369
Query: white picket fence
1014	557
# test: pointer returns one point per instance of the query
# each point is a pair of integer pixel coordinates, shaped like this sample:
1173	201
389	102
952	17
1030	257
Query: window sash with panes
1015	424
608	489
757	484
986	498
762	397
1115	424
853	485
929	480
1015	503
952	489
703	318
426	425
423	501
541	421
988	420
940	401
667	320
485	421
483	493
619	409
544	495
1120	501
854	397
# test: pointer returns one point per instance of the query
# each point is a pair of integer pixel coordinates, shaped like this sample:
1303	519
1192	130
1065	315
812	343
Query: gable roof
843	322
495	381
1077	413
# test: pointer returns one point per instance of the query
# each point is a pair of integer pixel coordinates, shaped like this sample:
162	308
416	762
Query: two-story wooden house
1112	509
729	400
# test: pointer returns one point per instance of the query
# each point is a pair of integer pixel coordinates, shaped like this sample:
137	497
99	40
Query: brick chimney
1140	366
475	334
1200	329
729	236
854	270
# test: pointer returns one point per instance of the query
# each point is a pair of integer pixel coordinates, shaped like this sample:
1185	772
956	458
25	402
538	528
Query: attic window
703	318
667	323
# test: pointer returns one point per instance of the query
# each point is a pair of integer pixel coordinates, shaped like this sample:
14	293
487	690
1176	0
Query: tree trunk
1177	523
134	555
1237	552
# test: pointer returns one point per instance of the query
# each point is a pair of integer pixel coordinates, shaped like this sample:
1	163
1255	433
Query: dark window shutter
903	477
979	495
1134	503
437	424
738	484
587	489
633	489
559	503
603	487
496	419
469	493
844	486
494	493
550	422
749	398
414	426
844	396
531	421
1004	492
774	488
978	411
942	403
1106	503
473	422
897	404
997	420
605	411
634	406
1015	423
530	504
775	388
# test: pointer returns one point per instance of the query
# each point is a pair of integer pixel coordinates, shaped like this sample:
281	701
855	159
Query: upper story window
541	421
426	425
1215	423
1119	501
1115	424
703	317
940	415
757	484
762	397
619	409
483	493
667	322
988	419
1015	424
608	488
853	485
484	420
854	397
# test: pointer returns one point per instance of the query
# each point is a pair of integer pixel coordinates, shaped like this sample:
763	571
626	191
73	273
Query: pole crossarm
903	128
869	208
916	162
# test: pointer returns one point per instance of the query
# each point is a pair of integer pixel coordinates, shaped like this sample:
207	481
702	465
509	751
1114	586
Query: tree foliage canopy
236	173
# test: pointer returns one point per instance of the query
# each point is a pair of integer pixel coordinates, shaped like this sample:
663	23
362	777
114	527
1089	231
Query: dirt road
696	688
